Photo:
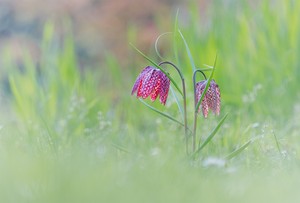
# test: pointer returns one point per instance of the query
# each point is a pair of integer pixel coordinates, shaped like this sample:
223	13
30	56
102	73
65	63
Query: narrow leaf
119	147
156	65
208	66
239	150
161	113
277	143
177	102
212	134
175	47
51	134
188	51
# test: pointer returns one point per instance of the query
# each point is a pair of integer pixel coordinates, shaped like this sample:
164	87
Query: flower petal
216	97
205	107
151	83
156	89
139	79
143	89
164	89
200	86
213	95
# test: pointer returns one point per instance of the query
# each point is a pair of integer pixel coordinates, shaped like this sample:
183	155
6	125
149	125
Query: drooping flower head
152	82
212	98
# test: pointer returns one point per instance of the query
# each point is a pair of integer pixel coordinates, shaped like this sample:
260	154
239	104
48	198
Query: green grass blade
50	134
16	93
157	66
175	45
188	51
212	134
161	113
123	149
277	143
177	102
207	85
239	150
208	66
206	69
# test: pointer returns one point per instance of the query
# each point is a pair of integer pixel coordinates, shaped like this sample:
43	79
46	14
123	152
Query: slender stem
184	101
201	71
196	110
185	117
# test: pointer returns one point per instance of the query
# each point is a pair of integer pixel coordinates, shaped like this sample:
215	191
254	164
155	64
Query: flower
152	82
212	98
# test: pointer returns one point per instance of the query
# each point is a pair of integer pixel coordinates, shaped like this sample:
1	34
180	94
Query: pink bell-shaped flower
212	98
152	82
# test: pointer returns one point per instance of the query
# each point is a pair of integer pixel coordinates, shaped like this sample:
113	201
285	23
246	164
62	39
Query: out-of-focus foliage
100	27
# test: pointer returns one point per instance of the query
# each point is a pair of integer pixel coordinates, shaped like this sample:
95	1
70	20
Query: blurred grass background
71	132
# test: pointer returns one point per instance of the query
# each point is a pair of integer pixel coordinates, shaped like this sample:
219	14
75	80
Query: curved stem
198	70
184	101
169	63
156	44
195	112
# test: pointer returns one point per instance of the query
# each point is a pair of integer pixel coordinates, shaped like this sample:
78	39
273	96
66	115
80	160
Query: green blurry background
71	132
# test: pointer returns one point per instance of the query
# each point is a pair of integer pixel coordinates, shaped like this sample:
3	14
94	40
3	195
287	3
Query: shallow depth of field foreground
71	131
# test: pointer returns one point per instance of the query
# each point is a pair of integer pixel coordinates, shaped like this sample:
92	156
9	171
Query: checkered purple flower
212	98
152	82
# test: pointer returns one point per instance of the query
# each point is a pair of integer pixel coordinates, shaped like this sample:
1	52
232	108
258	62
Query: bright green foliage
53	99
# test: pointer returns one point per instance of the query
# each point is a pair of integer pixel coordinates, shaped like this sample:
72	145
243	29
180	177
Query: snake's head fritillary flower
152	82
212	98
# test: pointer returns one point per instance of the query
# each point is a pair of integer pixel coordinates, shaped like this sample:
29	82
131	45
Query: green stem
196	110
184	101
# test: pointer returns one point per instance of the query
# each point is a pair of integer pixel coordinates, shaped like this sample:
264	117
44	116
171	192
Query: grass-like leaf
119	147
239	150
188	51
157	66
277	143
208	66
212	134
16	93
177	102
175	34
161	113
